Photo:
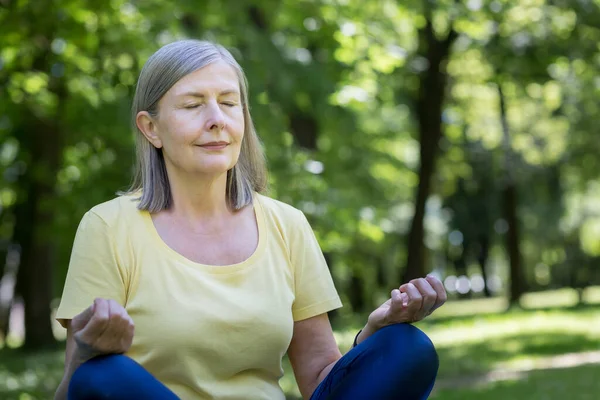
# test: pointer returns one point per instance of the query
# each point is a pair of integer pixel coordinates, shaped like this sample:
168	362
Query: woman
219	280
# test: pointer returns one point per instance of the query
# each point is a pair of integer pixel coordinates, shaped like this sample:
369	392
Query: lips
214	145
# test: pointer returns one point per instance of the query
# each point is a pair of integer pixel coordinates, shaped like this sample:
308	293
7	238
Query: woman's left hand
412	302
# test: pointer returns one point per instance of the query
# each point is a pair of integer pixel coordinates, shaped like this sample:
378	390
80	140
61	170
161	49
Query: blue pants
398	362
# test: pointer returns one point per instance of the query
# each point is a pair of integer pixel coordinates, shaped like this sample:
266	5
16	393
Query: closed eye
190	106
229	104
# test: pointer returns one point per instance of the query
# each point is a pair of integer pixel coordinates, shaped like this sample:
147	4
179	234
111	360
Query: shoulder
117	211
279	211
288	221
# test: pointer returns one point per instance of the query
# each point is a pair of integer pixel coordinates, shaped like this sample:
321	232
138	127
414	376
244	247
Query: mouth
214	145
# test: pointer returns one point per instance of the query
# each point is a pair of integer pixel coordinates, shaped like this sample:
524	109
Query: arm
313	352
73	359
94	273
103	328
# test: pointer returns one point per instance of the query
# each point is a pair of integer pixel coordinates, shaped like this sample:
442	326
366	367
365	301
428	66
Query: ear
147	125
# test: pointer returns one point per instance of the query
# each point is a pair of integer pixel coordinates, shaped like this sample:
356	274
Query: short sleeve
94	270
315	292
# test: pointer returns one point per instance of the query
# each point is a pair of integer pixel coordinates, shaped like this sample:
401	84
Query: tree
429	107
509	197
55	76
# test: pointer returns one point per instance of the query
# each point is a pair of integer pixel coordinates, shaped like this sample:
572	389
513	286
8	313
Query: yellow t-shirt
206	332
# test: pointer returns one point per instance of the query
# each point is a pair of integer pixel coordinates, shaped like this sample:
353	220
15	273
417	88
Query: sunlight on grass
495	341
580	383
473	337
592	295
471	307
554	298
557	298
476	336
479	329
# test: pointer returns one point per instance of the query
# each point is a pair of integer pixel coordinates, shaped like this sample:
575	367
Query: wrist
80	355
364	333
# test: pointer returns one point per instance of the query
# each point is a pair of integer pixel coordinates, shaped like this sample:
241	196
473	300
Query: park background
454	137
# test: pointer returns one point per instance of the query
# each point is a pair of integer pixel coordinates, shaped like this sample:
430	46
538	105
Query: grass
578	383
28	377
472	338
512	340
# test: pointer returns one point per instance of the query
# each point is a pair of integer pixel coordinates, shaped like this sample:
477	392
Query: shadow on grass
459	360
578	383
35	376
435	320
39	374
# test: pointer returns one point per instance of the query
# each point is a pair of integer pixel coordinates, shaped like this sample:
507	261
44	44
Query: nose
216	119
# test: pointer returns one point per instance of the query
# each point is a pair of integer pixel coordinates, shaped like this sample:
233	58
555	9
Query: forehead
215	77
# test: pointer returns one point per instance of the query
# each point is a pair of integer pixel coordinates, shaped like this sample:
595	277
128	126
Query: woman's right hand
103	328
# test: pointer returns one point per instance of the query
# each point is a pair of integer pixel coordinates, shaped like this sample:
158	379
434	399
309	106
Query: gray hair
162	70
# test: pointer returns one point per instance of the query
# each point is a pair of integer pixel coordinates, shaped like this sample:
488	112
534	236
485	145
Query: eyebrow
202	95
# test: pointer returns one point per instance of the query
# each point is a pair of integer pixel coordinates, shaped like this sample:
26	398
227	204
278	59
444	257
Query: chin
214	168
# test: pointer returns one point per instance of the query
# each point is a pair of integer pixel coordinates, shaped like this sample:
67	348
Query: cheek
237	125
180	128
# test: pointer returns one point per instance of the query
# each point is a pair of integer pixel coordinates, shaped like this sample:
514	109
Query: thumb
84	317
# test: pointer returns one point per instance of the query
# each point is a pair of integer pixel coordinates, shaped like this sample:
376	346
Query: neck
199	197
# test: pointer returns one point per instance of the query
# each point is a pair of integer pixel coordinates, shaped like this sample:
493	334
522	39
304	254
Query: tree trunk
580	296
512	244
33	220
356	293
305	129
509	197
34	215
429	106
40	149
482	258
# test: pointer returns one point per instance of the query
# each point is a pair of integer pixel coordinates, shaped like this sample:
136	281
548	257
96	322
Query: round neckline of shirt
216	269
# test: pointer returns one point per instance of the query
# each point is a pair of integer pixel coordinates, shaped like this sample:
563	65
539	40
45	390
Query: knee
410	346
94	377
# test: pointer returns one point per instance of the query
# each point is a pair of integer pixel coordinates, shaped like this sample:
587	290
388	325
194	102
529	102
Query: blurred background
454	137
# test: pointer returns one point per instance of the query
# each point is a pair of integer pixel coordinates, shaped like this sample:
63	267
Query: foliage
333	87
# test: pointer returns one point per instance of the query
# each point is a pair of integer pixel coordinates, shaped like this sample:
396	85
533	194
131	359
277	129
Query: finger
117	336
98	323
429	296
404	299
84	317
398	302
119	316
397	311
101	310
438	286
415	299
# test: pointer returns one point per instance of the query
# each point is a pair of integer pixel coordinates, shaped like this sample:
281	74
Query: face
200	122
